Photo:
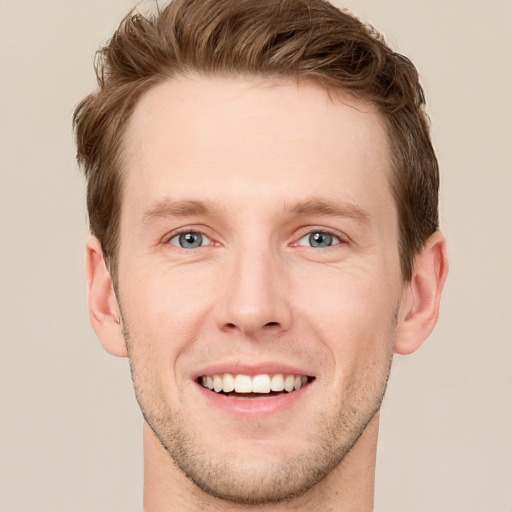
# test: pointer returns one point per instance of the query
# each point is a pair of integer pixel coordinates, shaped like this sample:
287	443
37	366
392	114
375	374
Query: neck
349	486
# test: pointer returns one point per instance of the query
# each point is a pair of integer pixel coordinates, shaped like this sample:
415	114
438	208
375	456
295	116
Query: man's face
258	238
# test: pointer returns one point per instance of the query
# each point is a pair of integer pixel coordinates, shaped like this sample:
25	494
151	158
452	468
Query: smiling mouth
257	386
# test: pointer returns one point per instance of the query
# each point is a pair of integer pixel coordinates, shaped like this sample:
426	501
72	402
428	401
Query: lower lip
254	408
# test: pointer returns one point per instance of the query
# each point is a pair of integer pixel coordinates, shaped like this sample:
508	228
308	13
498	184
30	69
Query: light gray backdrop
70	430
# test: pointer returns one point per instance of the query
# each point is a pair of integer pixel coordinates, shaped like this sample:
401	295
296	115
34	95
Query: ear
420	302
104	313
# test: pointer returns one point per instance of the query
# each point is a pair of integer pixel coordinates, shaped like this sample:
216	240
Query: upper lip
243	368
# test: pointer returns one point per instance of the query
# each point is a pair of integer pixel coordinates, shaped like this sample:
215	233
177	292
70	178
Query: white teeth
277	382
289	383
262	383
228	383
243	384
217	383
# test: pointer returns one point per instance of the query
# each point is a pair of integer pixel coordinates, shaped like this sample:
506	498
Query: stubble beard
239	481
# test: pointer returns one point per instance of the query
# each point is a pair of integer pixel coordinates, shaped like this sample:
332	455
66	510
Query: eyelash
306	233
184	231
340	239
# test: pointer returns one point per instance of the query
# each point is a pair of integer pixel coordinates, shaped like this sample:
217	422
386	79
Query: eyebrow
168	207
334	208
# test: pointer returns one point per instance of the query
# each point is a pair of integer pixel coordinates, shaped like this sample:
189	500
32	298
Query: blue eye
319	240
189	240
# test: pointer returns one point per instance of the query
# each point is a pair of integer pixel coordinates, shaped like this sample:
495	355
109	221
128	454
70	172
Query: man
262	194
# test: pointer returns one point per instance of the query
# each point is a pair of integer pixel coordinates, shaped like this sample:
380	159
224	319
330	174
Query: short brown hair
306	40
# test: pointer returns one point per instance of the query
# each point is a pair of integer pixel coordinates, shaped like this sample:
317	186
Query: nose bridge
254	293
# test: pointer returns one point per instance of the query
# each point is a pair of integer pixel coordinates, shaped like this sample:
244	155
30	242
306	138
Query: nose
254	295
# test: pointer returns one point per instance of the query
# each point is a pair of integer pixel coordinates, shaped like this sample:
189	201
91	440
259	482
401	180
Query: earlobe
104	311
420	303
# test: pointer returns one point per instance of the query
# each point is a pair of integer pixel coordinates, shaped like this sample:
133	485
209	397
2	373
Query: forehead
229	140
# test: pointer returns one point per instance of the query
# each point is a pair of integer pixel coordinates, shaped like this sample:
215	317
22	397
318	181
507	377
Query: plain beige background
70	430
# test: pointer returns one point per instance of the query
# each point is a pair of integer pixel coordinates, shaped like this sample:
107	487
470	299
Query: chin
263	471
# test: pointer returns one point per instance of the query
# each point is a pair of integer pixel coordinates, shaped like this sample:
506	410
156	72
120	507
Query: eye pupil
190	240
320	240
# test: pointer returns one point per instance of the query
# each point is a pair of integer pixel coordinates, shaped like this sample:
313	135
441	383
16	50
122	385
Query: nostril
231	325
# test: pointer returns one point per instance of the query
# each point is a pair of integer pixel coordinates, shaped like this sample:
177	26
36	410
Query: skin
265	164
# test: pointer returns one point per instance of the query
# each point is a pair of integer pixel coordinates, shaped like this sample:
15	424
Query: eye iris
190	240
320	240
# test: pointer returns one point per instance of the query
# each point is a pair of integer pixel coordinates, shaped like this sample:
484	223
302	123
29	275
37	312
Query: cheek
165	310
347	298
168	296
352	313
